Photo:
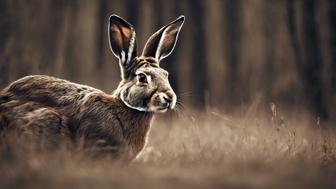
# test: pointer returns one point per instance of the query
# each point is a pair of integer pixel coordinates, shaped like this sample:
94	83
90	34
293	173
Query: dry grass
210	150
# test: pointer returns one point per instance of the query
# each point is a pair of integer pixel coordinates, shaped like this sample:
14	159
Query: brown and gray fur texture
55	110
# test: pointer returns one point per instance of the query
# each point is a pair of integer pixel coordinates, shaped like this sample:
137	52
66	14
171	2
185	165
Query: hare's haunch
118	123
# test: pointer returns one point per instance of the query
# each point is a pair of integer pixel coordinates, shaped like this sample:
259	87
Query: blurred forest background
229	53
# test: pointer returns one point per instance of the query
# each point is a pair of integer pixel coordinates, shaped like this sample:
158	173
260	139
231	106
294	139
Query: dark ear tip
179	20
181	17
115	17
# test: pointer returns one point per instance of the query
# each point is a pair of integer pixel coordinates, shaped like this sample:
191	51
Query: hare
117	123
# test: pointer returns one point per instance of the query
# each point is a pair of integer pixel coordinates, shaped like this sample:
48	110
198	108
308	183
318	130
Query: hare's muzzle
163	101
169	99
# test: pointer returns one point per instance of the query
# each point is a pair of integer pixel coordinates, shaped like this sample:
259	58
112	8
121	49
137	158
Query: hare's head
144	85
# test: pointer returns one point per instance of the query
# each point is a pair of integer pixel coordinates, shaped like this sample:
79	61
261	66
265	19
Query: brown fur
59	108
55	110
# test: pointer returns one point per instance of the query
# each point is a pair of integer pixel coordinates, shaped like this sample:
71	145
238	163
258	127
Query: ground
193	150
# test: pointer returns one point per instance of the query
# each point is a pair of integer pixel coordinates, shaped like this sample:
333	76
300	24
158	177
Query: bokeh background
257	79
230	53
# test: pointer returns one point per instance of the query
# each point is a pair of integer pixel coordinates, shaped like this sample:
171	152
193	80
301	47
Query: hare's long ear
162	43
122	40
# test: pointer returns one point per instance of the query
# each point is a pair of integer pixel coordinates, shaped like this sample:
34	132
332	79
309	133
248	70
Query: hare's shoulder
46	90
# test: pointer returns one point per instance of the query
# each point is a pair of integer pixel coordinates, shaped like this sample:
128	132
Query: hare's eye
142	78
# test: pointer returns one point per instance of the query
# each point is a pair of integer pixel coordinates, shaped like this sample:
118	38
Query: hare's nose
170	99
165	101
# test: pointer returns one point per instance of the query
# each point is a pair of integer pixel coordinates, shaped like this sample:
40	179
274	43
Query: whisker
179	104
185	94
178	108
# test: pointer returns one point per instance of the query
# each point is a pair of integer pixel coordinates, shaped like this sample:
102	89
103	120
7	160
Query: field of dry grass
254	149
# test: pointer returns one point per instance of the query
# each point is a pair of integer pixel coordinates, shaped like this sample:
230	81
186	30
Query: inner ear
167	42
122	39
162	43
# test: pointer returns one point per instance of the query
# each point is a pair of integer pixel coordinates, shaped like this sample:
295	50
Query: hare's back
49	91
40	105
33	119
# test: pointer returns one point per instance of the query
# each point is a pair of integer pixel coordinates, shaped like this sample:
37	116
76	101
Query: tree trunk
308	62
5	32
102	31
232	25
198	58
332	21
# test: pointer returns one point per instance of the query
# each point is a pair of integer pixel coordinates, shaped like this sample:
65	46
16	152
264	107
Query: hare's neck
136	125
130	118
